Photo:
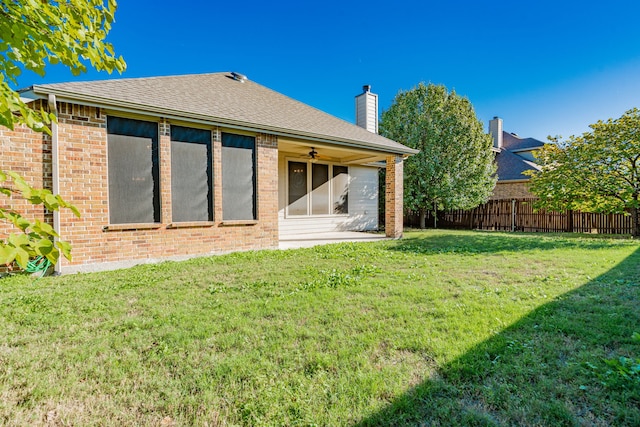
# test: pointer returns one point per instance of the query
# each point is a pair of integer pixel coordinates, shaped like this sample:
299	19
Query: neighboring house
514	156
171	167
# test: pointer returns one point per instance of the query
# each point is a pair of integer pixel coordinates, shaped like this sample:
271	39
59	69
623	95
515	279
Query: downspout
55	176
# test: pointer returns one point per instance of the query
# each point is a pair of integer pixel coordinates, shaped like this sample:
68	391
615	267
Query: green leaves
598	171
40	196
34	33
36	238
455	166
65	248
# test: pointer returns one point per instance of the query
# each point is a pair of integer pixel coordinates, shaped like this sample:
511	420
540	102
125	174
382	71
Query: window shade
191	177
238	177
132	155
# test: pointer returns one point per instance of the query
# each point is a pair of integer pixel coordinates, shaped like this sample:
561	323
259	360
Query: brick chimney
367	109
495	129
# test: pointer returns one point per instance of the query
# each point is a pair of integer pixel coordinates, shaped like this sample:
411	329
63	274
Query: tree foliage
598	171
35	238
36	32
33	34
455	168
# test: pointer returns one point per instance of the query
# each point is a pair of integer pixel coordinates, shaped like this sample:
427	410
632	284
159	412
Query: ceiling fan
314	156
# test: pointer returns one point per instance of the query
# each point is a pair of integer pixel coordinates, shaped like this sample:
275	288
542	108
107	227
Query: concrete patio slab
315	239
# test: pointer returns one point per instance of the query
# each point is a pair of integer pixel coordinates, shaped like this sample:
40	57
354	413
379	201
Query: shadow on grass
547	369
491	242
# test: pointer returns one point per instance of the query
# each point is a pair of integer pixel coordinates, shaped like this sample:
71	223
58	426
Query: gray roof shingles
513	142
511	166
219	98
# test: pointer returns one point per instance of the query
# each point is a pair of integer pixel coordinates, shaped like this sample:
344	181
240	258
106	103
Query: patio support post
393	215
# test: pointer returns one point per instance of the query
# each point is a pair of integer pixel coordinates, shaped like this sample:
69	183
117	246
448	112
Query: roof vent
239	77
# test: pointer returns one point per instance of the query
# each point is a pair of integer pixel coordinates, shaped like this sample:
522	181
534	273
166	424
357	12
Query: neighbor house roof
220	99
511	166
513	142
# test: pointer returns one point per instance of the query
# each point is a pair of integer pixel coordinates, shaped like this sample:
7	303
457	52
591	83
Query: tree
34	33
598	171
455	168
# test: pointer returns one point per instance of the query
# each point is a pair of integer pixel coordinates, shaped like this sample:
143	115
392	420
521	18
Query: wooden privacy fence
518	215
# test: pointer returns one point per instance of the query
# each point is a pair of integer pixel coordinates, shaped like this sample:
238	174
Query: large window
134	178
238	177
317	189
191	176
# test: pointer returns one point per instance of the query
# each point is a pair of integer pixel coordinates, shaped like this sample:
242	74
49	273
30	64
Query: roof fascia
519	150
27	95
533	165
512	181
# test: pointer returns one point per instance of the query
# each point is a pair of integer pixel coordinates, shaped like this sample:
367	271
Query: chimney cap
366	88
495	117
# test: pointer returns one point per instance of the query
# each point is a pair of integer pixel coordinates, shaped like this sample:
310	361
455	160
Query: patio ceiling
329	153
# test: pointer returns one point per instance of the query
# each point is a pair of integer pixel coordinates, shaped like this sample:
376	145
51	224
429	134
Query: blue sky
545	67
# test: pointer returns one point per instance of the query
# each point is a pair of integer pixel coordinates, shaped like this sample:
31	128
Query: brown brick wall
82	147
511	190
29	154
394	194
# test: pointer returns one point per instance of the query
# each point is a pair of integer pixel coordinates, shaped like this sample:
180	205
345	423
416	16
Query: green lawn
441	328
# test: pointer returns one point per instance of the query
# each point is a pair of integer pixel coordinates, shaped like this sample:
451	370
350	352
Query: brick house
172	167
514	156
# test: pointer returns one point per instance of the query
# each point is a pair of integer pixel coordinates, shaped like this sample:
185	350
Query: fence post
471	218
569	221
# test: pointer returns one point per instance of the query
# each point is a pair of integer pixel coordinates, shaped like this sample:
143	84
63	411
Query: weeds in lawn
626	368
620	372
336	278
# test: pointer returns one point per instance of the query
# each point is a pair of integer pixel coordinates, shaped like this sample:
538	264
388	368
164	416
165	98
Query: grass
441	328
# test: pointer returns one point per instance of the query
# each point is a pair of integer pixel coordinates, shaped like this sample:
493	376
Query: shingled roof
219	98
511	166
513	142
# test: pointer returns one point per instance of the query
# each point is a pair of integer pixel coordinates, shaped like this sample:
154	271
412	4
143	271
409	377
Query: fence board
518	215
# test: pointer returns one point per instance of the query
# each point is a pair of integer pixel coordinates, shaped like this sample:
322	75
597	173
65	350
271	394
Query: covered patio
328	187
